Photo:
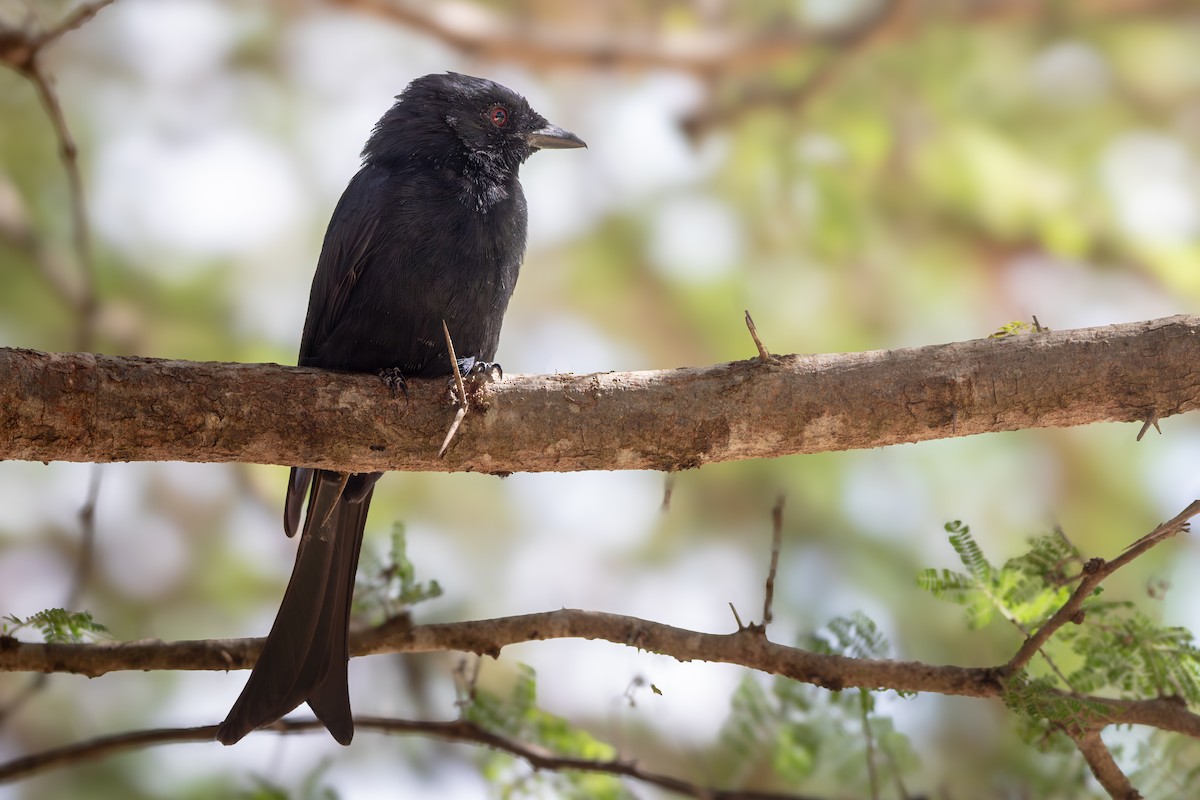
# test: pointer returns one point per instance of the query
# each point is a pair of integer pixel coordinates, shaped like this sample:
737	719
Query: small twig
36	685
776	545
86	304
538	758
1151	419
462	393
22	51
1037	326
466	679
1166	530
668	491
901	789
763	354
872	774
19	48
87	536
849	47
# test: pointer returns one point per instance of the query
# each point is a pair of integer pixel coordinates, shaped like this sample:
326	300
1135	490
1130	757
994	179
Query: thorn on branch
763	354
1151	419
736	618
462	393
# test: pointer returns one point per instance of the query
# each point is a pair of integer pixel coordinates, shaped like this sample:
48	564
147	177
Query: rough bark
83	407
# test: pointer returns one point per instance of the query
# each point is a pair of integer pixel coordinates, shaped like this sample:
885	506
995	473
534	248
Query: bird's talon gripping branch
474	367
393	378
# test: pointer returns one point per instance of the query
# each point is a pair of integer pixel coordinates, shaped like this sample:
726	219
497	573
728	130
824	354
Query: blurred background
859	175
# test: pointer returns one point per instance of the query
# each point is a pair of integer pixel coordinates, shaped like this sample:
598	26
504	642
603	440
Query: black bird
431	228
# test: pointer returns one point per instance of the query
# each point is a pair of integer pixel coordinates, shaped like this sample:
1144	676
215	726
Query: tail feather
330	697
306	652
299	480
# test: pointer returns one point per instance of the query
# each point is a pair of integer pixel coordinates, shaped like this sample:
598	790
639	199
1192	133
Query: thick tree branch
83	407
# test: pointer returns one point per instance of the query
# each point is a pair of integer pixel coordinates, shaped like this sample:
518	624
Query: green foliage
800	733
1025	591
1126	652
516	716
855	636
1017	327
1114	650
56	625
392	586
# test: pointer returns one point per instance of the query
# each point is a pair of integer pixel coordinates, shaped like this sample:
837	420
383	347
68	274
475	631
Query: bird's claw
473	366
394	379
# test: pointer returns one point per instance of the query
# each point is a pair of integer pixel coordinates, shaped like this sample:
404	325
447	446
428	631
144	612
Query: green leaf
58	626
969	551
392	586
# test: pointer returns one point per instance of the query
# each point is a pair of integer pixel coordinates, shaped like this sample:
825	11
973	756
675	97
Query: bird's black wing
352	236
350	240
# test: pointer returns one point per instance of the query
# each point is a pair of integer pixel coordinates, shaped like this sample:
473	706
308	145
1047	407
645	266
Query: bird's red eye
499	116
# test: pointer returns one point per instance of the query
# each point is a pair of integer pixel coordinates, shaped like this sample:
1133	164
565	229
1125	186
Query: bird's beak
552	137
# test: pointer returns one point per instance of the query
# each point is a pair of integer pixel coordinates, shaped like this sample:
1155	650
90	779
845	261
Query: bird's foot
473	366
393	378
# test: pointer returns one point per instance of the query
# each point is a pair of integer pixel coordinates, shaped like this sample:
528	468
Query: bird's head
450	116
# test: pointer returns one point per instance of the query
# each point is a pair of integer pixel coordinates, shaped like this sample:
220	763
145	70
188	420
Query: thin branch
21	50
776	545
746	647
452	731
87	536
866	33
1104	767
1094	572
86	304
476	30
869	755
24	695
82	407
19	47
481	33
